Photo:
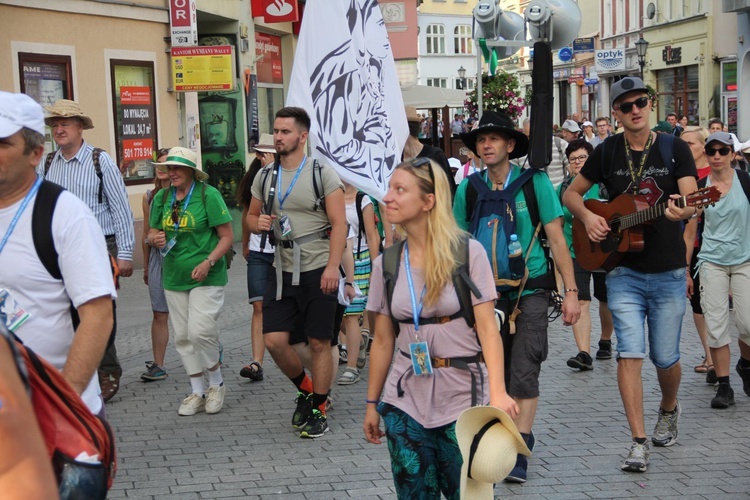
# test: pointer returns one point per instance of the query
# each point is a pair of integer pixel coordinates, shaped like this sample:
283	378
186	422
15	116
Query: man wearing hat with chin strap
649	285
496	142
72	166
39	301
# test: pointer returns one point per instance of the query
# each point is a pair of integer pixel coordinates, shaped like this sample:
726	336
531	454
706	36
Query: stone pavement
249	450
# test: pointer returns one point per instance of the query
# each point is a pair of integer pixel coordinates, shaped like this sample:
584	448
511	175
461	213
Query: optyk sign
609	60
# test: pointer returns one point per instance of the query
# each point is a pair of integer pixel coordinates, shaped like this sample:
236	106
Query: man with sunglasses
650	285
724	263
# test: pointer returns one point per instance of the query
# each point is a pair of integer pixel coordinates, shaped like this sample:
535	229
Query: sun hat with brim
183	157
265	144
65	108
625	86
497	122
412	115
490	442
18	111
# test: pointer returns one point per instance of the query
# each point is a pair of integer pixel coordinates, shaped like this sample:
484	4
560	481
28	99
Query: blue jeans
658	298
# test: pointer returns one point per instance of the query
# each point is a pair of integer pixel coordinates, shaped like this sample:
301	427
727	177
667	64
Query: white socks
197	384
214	377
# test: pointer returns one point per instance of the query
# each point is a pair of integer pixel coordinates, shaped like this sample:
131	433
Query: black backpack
461	281
317	179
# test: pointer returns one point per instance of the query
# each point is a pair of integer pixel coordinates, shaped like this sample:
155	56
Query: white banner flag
345	77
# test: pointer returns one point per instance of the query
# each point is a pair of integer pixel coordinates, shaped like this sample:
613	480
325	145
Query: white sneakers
215	399
210	404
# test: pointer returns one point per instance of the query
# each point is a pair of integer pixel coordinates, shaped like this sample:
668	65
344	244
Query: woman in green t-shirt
191	226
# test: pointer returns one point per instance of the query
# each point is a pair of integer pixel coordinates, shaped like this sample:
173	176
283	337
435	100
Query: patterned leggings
424	462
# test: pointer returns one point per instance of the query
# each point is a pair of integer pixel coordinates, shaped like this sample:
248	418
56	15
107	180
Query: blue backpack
493	220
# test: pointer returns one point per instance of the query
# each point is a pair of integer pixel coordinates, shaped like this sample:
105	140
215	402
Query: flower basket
500	93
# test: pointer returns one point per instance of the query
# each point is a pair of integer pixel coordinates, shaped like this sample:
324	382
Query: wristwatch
210	261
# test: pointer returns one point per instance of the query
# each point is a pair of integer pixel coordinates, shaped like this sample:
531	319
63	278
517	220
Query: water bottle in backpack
515	258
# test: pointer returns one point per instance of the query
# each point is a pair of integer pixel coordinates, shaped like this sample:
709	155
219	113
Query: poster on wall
268	52
137	123
203	68
732	114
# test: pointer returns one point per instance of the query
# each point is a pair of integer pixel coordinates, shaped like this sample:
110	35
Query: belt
435	320
295	245
459	362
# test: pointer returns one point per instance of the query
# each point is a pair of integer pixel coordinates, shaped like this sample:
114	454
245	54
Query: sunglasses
421	162
627	107
577	159
162	152
176	212
722	151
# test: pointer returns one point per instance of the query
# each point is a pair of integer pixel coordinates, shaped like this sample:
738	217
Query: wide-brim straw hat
65	108
183	157
497	122
265	144
490	443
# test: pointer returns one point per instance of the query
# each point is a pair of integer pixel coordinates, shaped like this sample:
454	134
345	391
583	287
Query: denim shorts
259	264
657	298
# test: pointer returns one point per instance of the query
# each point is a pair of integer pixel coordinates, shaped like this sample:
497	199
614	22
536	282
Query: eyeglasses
421	162
722	151
578	159
627	107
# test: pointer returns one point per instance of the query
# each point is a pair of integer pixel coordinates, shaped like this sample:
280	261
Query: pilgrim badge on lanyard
11	312
286	226
166	248
420	358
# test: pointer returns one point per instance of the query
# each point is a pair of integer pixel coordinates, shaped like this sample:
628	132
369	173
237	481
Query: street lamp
641	46
462	76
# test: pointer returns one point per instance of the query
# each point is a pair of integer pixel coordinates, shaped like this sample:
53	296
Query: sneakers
362	355
665	432
349	377
581	361
153	372
343	355
605	350
518	473
724	397
316	426
744	374
109	383
303	410
192	405
637	460
215	399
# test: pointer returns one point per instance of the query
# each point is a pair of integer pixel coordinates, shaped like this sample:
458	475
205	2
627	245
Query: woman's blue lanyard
282	199
184	209
416	309
24	204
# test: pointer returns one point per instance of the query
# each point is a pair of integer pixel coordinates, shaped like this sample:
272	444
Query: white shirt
353	220
84	264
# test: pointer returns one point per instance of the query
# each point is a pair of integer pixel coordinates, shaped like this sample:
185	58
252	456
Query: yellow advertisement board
198	69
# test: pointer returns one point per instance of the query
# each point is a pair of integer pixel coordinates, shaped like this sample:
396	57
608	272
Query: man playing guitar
650	285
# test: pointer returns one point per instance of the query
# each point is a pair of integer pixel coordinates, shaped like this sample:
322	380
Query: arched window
435	39
462	42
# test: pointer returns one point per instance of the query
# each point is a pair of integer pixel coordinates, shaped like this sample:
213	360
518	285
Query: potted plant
500	93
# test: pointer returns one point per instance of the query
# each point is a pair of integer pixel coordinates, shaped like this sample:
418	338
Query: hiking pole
269	202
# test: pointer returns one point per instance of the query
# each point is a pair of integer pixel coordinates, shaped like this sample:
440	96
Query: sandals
701	368
711	377
253	371
109	383
349	377
363	344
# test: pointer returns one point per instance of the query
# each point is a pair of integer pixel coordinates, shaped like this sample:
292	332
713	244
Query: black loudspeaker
542	104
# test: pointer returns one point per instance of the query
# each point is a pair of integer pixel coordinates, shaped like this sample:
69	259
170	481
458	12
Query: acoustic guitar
625	216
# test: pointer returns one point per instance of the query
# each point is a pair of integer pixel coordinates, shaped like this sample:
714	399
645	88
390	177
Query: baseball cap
18	111
622	87
571	126
588	124
722	137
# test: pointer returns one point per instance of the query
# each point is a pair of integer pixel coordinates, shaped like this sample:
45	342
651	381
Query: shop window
270	79
46	78
436	39
462	41
678	92
135	118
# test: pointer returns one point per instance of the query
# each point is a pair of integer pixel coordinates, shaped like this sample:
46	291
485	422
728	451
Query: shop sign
137	123
275	11
268	53
183	23
590	81
198	69
560	73
671	55
565	54
609	60
583	45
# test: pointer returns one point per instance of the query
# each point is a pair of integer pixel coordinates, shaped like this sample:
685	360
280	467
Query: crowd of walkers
450	329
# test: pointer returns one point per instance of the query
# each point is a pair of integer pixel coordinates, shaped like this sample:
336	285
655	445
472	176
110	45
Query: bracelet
695	214
349	284
571	290
372	401
211	262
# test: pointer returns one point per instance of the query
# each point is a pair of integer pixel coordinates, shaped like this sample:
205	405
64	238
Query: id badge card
286	226
420	358
165	250
11	312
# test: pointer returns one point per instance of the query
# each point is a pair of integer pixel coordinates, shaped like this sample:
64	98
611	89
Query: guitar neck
649	214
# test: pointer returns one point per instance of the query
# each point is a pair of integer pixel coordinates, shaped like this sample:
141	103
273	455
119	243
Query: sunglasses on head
162	152
421	162
722	151
627	107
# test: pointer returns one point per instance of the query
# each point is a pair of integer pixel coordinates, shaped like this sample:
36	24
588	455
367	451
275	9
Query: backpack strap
477	184
318	187
95	155
744	178
41	227
463	283
547	280
666	150
48	163
391	264
360	219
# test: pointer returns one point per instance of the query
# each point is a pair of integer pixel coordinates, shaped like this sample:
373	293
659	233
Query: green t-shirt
549	210
196	237
593	194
